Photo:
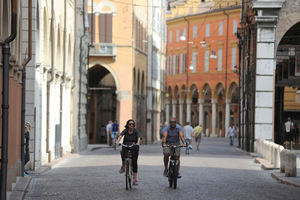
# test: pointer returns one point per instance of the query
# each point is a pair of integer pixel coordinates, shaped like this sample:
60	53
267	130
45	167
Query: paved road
217	171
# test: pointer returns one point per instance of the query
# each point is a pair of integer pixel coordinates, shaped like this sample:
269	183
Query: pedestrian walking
296	134
289	127
108	131
26	147
188	132
231	133
197	131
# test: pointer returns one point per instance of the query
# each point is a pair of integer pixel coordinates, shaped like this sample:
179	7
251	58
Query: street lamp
182	37
169	12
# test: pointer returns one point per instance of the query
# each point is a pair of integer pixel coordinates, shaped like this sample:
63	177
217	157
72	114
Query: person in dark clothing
26	147
131	135
296	134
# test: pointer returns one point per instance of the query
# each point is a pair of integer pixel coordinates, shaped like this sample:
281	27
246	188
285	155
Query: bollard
257	145
277	156
268	152
273	146
291	164
264	149
283	160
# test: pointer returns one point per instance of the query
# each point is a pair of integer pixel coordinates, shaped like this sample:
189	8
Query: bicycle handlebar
128	146
174	146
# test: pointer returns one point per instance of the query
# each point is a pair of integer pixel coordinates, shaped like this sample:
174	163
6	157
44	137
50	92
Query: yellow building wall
289	99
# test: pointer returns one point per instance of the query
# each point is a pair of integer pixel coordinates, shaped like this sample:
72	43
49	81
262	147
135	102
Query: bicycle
128	165
173	166
187	148
115	141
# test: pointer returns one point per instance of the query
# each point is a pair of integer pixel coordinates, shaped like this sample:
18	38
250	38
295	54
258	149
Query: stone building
269	69
202	56
117	66
56	79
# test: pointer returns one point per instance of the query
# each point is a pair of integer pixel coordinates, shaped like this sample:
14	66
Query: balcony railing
104	49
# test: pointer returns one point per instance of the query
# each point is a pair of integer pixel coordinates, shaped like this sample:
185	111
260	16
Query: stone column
213	118
227	115
174	102
167	111
201	111
266	19
181	101
188	110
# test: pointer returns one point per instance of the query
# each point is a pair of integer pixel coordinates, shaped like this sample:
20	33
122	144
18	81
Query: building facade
56	79
156	39
202	56
12	66
269	69
117	66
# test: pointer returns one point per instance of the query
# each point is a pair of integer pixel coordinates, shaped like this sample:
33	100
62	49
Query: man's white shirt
187	130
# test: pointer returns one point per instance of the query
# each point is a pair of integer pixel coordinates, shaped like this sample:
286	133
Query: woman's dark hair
127	123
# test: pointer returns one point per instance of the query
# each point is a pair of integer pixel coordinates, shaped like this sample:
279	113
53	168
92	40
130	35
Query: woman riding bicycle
131	135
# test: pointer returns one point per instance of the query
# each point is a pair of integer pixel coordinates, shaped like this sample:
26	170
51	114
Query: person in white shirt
289	127
188	133
231	132
108	131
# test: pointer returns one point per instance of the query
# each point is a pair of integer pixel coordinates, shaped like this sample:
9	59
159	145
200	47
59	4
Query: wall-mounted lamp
182	37
203	43
213	54
169	12
191	67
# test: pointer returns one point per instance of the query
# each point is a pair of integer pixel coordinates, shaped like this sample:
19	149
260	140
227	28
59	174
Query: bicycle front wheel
175	175
130	173
127	173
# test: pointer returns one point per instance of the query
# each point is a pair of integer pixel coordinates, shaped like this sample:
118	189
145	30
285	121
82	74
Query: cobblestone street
217	171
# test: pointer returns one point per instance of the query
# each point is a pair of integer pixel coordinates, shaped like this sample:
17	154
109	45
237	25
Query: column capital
168	102
189	101
201	101
227	100
214	100
181	101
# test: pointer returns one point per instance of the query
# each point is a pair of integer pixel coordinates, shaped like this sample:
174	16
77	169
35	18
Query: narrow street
217	171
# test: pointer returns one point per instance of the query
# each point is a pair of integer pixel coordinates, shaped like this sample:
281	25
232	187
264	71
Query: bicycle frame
173	166
128	166
187	149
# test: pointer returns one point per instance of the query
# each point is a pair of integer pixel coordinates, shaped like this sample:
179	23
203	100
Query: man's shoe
121	170
191	147
165	173
178	175
25	174
135	182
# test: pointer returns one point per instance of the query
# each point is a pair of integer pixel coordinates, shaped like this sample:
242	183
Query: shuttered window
194	61
234	26
220	56
207	30
105	28
233	58
91	28
206	60
195	32
170	37
220	28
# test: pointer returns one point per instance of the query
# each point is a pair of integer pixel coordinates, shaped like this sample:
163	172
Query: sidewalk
20	188
280	177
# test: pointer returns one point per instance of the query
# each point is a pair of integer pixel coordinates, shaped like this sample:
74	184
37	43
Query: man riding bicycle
172	132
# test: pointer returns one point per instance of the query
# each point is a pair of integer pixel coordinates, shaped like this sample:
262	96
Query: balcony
104	49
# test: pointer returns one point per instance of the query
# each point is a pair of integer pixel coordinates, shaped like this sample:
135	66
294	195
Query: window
184	32
170	37
168	65
184	63
234	26
233	58
195	32
181	64
206	60
155	65
220	28
175	64
170	68
207	30
220	56
105	28
194	61
166	33
177	35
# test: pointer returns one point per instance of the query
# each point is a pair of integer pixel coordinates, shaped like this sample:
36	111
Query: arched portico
103	103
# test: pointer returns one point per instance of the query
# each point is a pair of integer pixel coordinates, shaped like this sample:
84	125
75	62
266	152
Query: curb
280	177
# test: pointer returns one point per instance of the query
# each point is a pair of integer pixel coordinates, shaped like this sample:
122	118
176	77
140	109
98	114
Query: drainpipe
64	76
23	109
80	72
5	95
52	78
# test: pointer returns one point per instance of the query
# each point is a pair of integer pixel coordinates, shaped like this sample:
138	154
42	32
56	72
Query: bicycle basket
128	154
